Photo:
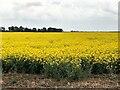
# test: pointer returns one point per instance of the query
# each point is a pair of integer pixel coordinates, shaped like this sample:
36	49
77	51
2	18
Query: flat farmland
70	55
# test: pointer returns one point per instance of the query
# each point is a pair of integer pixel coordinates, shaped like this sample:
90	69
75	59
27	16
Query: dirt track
14	80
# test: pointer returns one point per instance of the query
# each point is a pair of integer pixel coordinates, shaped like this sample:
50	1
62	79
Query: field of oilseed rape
71	55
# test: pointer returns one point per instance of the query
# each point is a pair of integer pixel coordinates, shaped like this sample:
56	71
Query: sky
69	15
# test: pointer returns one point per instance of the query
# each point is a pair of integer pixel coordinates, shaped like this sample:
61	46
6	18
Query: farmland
60	55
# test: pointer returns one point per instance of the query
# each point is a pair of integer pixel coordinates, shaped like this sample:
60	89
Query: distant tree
74	31
26	30
50	29
11	29
29	30
34	30
39	30
3	29
21	29
44	29
59	30
16	29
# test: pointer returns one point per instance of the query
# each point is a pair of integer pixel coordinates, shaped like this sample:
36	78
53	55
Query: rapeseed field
60	55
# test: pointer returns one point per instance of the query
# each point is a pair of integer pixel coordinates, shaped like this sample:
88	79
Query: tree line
26	29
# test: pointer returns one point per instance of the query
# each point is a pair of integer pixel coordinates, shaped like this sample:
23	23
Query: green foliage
63	70
21	65
68	70
99	68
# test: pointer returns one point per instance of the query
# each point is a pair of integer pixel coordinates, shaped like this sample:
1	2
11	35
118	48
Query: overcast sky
66	14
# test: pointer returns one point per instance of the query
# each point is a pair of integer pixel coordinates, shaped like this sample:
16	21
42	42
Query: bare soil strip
15	80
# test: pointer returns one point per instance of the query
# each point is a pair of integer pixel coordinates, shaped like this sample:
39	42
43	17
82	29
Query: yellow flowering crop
62	47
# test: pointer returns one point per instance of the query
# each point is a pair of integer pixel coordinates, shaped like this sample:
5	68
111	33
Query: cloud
107	10
56	3
33	4
67	14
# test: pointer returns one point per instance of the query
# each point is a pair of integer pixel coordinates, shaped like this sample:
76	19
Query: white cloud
68	14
